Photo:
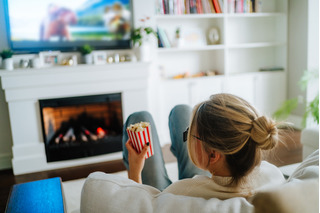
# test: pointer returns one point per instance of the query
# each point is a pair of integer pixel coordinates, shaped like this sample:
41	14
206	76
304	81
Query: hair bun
264	132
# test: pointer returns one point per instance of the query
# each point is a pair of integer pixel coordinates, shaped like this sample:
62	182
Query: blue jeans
154	172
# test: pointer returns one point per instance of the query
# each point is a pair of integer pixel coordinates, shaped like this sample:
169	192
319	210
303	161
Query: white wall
313	34
297	48
313	53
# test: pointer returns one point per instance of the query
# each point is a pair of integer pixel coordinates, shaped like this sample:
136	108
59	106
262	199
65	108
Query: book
221	5
160	41
37	196
203	6
193	6
216	6
187	6
239	6
206	6
248	6
258	6
179	7
199	7
231	6
211	6
164	38
253	5
171	7
165	6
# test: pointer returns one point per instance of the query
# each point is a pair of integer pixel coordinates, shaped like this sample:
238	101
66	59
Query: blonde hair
232	126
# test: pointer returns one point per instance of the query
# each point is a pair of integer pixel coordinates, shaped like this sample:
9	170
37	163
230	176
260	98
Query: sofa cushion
293	197
111	193
299	194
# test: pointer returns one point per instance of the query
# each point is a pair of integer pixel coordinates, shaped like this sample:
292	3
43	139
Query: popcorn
140	134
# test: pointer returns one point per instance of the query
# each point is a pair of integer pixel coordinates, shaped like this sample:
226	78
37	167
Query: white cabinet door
202	89
172	93
270	91
185	91
242	86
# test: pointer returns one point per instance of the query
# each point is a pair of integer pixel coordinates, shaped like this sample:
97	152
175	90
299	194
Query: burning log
101	132
83	137
69	136
58	139
89	134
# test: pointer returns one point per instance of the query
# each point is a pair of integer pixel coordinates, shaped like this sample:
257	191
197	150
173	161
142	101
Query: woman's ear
214	156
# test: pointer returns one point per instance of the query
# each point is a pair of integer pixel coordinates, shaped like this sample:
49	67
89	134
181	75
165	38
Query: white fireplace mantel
23	89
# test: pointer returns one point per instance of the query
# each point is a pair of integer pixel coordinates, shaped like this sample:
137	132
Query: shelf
254	15
72	69
191	80
256	45
190	16
215	15
221	47
183	49
255	72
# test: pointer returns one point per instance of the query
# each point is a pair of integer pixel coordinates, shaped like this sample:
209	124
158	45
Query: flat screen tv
40	25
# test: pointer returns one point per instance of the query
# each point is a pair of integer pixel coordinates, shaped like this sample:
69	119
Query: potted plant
7	61
178	42
141	40
311	108
85	51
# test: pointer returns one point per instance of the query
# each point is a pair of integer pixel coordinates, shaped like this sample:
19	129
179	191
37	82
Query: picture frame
193	37
50	58
99	57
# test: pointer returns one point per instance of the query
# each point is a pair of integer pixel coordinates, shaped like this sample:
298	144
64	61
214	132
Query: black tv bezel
28	47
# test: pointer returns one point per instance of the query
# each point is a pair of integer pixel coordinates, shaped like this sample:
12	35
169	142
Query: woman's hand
136	161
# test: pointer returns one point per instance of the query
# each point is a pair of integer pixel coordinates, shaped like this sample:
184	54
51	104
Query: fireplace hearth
78	127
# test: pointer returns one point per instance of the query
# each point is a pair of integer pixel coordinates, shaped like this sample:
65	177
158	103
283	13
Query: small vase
87	58
8	64
144	53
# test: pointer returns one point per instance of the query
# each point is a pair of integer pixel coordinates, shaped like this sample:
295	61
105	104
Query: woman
224	141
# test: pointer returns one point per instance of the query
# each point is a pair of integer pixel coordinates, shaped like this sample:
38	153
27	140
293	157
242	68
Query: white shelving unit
248	42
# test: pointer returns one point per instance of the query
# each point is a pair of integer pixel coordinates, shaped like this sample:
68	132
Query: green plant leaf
86	49
6	53
306	77
138	33
312	109
314	106
286	108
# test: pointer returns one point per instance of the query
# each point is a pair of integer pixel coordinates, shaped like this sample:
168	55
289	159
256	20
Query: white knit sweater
216	187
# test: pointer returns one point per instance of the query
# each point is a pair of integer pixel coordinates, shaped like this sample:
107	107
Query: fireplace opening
78	127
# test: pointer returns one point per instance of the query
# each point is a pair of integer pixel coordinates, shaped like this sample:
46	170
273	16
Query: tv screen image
68	24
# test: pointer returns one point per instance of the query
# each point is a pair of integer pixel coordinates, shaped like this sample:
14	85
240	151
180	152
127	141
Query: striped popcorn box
140	134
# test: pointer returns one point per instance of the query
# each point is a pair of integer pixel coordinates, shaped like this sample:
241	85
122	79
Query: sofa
113	193
101	192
